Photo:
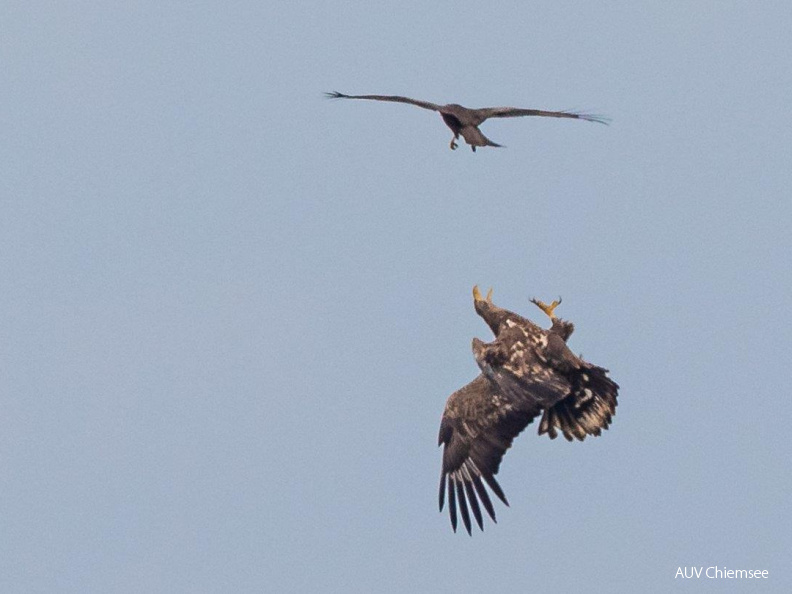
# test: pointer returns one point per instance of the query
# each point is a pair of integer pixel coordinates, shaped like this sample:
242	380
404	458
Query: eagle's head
489	356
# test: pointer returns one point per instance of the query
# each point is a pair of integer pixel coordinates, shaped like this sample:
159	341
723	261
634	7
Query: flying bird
466	121
525	372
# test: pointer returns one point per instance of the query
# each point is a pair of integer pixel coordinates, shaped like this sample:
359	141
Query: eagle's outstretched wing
396	98
514	112
478	426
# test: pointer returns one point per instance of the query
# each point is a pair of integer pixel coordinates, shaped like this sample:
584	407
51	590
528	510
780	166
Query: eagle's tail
587	410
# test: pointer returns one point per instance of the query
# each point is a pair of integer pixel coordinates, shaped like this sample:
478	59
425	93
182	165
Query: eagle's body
465	122
526	371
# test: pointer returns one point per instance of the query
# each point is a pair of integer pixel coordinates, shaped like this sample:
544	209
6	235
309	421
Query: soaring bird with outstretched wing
465	122
525	372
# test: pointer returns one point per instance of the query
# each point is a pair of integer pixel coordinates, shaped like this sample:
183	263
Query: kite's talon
453	144
548	309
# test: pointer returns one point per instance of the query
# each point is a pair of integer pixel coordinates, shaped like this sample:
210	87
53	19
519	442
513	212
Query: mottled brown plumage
525	372
465	122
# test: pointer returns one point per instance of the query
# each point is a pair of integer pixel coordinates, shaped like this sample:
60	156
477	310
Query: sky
232	310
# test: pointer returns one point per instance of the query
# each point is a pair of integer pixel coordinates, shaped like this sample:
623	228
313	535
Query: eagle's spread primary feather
526	371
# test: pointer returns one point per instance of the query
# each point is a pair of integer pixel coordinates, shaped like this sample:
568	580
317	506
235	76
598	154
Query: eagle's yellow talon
477	295
548	309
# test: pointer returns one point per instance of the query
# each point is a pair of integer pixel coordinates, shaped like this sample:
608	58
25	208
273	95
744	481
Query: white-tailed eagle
526	371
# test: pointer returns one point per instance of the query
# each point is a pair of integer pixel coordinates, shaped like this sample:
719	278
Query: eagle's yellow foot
548	309
477	294
453	144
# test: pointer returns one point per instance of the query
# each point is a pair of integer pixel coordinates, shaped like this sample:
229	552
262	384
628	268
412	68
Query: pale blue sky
232	311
